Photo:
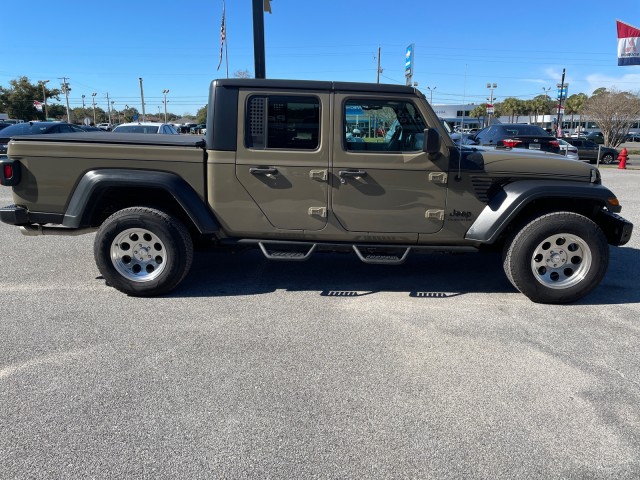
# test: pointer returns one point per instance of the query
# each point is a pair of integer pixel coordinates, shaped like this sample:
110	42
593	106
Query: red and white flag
38	105
628	44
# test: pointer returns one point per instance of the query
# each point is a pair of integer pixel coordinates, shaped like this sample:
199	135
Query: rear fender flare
94	182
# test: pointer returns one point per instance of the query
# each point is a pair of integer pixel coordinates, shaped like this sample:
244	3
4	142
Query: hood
521	162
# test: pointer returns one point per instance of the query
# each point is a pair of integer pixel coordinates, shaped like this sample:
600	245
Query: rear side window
282	122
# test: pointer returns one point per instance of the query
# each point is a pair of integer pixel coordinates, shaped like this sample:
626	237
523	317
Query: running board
287	255
377	259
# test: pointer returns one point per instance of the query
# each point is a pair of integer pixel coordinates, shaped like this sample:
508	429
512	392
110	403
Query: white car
568	150
105	126
146	127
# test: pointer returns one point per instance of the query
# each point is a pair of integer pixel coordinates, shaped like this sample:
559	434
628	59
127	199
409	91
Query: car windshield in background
525	130
26	129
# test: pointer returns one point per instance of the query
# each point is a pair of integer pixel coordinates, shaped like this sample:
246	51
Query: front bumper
617	229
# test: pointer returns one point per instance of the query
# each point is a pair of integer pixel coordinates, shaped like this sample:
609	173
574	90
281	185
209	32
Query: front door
283	157
382	180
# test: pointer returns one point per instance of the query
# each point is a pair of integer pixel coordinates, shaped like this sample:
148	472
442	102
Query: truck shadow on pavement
441	276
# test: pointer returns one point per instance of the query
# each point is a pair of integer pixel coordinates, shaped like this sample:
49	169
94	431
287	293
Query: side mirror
432	141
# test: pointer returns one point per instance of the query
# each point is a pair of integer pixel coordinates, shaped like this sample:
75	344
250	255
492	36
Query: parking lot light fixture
164	92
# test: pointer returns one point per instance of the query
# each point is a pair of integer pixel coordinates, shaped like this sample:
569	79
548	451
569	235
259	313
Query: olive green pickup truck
299	167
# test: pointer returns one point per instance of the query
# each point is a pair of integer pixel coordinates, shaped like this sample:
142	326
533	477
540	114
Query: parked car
568	150
105	126
588	151
146	127
516	135
4	125
596	137
632	137
34	128
89	128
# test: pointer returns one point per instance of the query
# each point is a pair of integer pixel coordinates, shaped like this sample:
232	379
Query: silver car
568	150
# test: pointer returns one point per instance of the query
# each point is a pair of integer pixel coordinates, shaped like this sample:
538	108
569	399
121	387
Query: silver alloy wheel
561	261
138	255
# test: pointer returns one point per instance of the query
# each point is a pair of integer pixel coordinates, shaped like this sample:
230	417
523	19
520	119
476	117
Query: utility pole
109	109
65	87
93	102
379	69
44	95
142	99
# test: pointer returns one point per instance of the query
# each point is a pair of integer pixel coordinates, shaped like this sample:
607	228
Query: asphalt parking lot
326	369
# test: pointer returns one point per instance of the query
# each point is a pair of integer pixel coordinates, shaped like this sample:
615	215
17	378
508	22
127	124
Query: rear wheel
142	251
557	258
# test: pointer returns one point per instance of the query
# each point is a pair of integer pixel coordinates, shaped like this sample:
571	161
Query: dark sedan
588	151
34	128
516	135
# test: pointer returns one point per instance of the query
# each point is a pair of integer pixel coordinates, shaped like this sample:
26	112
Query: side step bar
377	259
291	255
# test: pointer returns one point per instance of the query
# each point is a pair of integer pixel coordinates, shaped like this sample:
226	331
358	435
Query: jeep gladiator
292	168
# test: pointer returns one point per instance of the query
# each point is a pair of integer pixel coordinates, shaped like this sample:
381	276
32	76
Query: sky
460	46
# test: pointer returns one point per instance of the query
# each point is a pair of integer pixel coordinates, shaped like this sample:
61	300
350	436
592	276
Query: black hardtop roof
312	85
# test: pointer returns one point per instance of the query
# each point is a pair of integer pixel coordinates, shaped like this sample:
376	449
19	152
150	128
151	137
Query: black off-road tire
557	258
142	251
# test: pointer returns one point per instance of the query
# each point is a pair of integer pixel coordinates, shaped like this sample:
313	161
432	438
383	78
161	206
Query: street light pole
44	95
142	99
164	92
490	86
93	102
431	90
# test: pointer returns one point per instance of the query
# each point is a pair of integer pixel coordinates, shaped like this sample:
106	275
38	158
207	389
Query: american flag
223	36
38	105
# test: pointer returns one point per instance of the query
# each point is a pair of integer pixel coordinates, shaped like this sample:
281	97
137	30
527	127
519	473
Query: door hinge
318	211
434	215
319	175
438	177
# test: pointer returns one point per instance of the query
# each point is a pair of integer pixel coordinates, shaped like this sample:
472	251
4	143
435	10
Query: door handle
263	170
352	173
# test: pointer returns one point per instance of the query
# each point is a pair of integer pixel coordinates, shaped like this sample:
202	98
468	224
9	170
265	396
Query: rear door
385	184
283	156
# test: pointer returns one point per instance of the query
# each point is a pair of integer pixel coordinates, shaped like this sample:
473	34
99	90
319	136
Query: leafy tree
57	111
201	115
17	99
479	111
614	112
514	107
574	105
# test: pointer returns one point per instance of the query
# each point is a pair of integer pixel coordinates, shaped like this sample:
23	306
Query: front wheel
557	258
143	251
607	158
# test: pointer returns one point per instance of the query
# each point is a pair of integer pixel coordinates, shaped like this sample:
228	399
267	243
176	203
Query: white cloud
627	82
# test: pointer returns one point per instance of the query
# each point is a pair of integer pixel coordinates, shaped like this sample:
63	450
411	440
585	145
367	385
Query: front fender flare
513	197
94	182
